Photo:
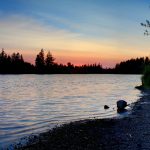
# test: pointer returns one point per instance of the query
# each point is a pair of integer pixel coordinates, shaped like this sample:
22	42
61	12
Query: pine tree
39	61
49	61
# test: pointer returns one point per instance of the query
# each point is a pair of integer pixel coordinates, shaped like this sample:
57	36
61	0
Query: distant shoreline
126	133
45	64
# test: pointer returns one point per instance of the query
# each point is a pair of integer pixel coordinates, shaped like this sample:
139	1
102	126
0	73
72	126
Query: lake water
35	103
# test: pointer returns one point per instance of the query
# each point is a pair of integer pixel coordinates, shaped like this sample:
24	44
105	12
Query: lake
35	103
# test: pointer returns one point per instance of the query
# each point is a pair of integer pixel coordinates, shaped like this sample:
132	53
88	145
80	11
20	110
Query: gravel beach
130	133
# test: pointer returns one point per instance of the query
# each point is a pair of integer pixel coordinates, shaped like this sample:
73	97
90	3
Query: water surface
35	103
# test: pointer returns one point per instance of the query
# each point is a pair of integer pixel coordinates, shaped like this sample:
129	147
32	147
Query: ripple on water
35	103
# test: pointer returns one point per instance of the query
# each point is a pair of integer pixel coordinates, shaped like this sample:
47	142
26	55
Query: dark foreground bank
128	133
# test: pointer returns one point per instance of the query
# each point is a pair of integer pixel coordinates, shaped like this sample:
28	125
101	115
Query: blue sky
81	31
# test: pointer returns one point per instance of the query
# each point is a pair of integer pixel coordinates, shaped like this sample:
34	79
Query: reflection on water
34	103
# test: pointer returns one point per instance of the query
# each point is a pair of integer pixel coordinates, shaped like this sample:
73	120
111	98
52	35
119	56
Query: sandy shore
130	133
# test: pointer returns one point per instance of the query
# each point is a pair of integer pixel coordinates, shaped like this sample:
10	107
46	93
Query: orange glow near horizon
79	57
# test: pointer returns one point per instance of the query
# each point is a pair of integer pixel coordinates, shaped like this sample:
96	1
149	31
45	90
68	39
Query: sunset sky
77	31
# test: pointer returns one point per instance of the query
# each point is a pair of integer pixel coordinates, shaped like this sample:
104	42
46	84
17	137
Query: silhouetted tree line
132	66
15	64
47	65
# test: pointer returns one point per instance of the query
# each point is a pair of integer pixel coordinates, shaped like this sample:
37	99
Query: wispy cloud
24	32
20	31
